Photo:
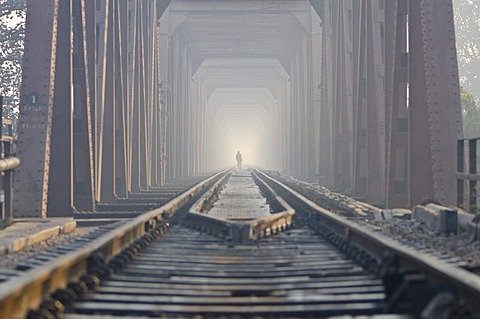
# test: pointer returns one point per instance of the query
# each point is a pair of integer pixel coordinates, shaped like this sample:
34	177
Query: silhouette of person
239	160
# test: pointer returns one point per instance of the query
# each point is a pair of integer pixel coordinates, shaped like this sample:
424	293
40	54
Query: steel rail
378	246
28	291
240	231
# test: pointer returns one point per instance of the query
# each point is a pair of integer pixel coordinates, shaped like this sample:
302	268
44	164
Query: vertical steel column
91	58
309	111
136	98
60	195
376	103
317	92
177	111
360	156
335	79
7	182
361	103
396	61
370	98
3	214
83	179
151	89
165	98
182	124
302	157
435	112
327	135
36	106
106	109
164	84
143	105
472	170
140	102
132	93
156	157
343	107
421	173
171	112
461	170
121	97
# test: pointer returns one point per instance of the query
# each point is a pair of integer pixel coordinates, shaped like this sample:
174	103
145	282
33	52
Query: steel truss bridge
121	97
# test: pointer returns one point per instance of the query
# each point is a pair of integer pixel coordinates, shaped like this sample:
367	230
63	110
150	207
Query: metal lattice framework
378	117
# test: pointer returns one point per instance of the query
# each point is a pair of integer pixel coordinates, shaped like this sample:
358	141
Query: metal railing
467	179
7	163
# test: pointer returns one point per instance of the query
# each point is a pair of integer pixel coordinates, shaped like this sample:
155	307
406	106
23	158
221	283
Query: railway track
188	273
207	261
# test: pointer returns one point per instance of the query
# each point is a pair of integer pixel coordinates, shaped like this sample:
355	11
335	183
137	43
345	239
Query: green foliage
4	223
471	115
12	32
467	26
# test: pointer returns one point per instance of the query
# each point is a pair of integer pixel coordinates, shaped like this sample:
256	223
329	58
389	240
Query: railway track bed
300	261
188	273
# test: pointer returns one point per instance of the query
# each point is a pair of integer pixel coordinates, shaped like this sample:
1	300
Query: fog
238	75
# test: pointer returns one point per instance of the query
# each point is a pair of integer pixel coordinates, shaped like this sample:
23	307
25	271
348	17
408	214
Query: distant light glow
242	105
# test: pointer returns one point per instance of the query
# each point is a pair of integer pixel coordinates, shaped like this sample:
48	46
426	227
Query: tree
471	115
467	25
12	33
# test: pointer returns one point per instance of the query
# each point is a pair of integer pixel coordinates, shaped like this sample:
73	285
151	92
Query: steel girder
90	106
35	118
93	126
396	83
390	112
435	111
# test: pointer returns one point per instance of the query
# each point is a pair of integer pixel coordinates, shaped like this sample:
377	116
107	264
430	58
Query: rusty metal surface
240	199
397	136
59	202
98	81
435	114
342	97
351	130
82	157
105	105
375	66
237	216
188	272
443	95
421	173
296	272
369	74
35	117
376	245
397	186
29	290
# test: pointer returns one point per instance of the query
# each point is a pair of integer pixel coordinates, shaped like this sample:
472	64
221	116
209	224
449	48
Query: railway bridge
120	97
135	109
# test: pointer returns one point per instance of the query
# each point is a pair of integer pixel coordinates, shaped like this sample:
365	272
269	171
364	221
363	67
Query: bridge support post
396	63
434	106
36	107
54	124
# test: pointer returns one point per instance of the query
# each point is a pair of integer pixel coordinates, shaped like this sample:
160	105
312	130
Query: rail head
379	246
28	291
240	231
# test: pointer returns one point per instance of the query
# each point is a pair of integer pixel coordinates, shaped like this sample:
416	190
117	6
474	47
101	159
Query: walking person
239	160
